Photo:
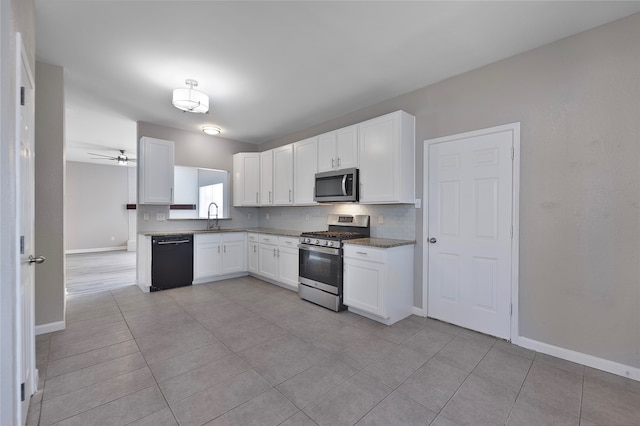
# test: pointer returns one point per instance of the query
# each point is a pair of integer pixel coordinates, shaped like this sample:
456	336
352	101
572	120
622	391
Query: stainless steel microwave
337	186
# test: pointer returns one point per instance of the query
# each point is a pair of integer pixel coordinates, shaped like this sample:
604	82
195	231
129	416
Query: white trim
421	312
50	327
95	250
581	358
515	245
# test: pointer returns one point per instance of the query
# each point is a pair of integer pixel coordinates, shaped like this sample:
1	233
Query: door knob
432	240
37	260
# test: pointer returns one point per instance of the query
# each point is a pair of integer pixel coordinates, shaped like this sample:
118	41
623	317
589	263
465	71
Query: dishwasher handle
162	243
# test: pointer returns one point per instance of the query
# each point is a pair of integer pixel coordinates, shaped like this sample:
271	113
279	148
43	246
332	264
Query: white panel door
283	175
305	166
266	178
470	231
24	326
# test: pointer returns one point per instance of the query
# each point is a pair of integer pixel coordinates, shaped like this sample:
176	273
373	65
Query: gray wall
196	149
49	194
578	101
95	200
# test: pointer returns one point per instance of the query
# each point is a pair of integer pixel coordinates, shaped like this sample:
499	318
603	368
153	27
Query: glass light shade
211	130
190	100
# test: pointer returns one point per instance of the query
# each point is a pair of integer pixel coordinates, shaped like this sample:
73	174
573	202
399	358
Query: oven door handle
326	250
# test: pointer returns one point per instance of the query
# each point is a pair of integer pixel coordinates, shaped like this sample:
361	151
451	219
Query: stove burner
334	235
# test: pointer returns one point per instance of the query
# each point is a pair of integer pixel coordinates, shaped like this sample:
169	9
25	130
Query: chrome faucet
215	223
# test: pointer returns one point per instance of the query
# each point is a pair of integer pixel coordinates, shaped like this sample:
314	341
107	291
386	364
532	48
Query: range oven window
320	267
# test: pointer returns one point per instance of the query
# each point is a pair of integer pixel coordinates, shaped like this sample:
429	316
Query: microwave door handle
344	185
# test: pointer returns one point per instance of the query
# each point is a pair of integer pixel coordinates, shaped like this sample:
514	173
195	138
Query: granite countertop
379	242
272	231
192	231
275	231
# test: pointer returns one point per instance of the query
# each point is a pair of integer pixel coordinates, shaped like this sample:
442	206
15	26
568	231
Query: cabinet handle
278	252
274	252
289	195
332	165
361	252
218	249
338	161
255	248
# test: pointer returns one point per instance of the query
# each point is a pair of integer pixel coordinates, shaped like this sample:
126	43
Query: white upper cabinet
155	171
266	178
338	149
283	175
246	179
305	166
386	147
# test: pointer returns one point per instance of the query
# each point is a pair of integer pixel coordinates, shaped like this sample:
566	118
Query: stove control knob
307	240
330	243
317	242
326	243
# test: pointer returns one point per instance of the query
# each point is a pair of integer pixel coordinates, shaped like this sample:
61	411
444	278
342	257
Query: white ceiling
274	68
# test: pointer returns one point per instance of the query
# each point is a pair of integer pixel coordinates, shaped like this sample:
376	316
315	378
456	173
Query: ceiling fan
122	158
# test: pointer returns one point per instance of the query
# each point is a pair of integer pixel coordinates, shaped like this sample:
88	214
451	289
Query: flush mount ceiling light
190	100
211	130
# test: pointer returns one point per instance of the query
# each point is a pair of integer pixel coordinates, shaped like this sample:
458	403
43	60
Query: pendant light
190	100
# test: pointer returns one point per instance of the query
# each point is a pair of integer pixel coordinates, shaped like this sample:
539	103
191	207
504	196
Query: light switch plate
380	219
145	216
418	203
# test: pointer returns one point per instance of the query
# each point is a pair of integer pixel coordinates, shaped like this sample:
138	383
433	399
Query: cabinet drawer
253	238
288	242
268	239
364	253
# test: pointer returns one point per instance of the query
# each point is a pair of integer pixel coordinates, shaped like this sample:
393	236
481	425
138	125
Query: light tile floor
244	352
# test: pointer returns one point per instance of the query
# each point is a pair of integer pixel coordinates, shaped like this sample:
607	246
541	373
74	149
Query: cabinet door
246	179
347	147
378	169
233	257
283	175
288	266
327	152
155	171
207	259
268	261
252	257
305	166
364	286
266	178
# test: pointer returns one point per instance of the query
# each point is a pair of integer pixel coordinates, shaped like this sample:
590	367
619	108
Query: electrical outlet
249	216
161	216
306	217
145	216
113	238
418	203
380	219
267	216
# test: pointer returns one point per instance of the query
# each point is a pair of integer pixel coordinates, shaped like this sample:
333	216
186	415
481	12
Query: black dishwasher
171	261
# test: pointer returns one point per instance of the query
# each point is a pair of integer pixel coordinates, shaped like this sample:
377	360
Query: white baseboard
95	250
50	327
580	358
419	312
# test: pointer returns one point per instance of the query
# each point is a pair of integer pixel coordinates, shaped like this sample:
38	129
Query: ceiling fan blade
110	157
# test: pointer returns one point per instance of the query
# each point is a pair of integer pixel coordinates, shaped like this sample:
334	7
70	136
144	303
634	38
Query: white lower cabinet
378	282
252	253
278	259
218	255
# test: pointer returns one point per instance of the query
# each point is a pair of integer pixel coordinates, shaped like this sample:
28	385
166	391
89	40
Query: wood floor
94	272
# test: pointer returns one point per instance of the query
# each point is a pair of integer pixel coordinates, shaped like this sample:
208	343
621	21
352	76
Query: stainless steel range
320	259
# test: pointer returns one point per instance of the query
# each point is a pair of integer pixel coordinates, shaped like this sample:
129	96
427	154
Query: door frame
515	214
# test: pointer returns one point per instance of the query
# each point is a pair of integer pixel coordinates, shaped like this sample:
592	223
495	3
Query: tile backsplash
398	220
